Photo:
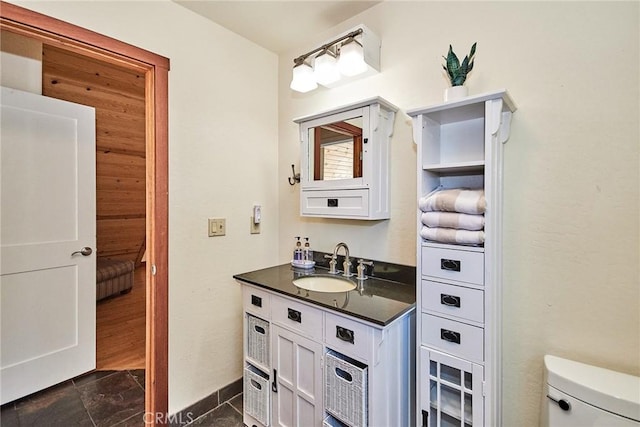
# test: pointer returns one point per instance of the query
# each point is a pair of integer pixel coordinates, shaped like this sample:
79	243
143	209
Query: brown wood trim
317	153
156	390
46	26
357	156
344	128
53	31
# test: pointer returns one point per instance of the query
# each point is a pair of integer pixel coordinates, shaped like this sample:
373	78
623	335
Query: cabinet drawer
256	301
297	317
335	203
348	337
453	337
453	264
451	300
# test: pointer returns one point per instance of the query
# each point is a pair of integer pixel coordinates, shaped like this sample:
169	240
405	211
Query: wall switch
217	227
255	227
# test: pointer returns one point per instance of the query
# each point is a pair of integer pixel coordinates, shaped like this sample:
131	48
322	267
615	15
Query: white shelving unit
460	145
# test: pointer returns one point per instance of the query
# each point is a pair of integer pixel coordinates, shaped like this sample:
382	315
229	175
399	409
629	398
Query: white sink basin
324	284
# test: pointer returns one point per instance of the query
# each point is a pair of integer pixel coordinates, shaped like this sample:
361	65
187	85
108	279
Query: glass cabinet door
334	150
450	390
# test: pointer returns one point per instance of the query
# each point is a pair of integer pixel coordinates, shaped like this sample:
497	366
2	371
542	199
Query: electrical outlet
217	227
254	228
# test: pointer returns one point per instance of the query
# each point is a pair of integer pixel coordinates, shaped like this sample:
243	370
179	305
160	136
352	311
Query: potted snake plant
457	73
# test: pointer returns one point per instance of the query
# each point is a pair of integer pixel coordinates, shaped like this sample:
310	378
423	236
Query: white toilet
579	395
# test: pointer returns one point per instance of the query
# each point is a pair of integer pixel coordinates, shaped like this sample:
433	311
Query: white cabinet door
450	390
47	287
297	374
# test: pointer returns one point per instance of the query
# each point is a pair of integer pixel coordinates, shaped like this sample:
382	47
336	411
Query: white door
297	363
47	242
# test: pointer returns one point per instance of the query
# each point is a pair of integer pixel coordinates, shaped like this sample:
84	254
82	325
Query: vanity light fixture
325	69
303	80
354	53
351	61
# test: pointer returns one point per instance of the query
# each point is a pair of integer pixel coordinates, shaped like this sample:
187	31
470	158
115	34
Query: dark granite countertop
386	295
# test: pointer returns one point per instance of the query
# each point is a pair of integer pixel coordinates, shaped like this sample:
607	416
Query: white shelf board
468	108
455	166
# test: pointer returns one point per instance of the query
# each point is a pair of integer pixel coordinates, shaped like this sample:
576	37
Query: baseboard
206	404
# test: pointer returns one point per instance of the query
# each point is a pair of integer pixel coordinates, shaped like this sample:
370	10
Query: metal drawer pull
257	301
450	300
425	418
450	336
345	334
274	384
332	203
450	264
294	315
259	329
256	384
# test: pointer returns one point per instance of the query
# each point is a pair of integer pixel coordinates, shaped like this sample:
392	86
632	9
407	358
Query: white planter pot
455	92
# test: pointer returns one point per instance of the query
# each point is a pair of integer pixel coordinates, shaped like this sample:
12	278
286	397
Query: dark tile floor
103	398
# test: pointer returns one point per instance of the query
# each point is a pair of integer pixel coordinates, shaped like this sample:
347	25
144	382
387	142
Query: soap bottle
297	251
307	252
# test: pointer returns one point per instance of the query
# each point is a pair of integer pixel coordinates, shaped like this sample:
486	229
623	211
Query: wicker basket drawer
345	391
258	341
256	395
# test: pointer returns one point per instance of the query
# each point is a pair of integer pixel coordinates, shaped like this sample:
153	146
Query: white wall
571	180
571	168
222	159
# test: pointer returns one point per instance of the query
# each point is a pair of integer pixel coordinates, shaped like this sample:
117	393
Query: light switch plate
254	228
217	227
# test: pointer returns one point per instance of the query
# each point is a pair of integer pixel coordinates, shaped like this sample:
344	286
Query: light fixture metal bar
300	59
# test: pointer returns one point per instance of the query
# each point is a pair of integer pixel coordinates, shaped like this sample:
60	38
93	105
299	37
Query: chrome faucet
346	265
332	263
362	269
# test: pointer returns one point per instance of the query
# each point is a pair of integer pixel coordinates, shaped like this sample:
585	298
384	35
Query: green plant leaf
458	72
452	61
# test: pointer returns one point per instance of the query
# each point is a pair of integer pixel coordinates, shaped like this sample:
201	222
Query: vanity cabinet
458	297
325	368
345	161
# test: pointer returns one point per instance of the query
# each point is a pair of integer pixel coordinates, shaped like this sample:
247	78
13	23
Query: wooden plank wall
118	96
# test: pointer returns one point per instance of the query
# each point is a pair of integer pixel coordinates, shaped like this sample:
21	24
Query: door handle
86	251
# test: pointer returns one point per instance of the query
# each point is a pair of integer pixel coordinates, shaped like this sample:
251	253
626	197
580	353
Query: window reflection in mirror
337	150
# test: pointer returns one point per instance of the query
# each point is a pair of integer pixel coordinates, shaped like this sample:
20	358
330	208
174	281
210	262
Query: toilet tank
581	395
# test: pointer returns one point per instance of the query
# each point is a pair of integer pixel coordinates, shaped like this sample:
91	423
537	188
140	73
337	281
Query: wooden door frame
156	69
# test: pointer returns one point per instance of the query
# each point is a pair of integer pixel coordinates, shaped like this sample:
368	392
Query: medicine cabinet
345	161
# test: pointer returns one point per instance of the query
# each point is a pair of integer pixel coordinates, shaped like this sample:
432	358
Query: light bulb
325	69
303	80
351	60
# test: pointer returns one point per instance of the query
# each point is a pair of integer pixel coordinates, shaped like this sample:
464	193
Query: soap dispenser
297	250
307	252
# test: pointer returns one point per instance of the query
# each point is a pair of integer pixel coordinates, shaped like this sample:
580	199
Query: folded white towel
455	220
454	200
450	235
